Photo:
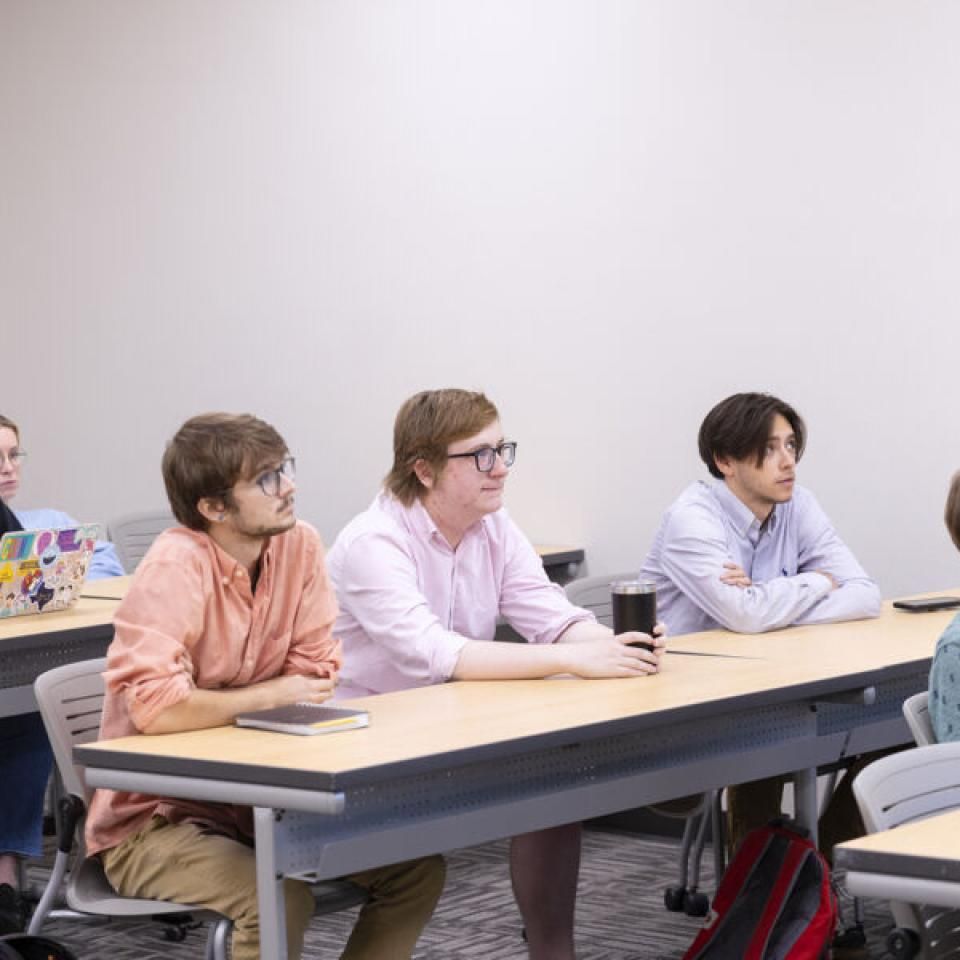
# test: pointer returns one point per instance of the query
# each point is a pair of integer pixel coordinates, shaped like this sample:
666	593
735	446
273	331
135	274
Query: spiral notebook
304	719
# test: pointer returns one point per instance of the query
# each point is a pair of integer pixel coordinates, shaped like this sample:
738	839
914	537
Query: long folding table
462	763
33	643
916	862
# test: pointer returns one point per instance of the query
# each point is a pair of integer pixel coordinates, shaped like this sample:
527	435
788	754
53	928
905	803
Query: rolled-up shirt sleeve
695	550
377	584
313	649
534	606
149	663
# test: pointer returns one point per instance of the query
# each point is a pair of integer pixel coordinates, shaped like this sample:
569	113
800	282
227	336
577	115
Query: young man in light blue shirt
754	552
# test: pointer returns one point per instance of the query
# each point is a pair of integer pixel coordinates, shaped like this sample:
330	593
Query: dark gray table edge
898	864
50	638
561	557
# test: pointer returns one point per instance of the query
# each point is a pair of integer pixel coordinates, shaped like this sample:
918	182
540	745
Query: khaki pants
186	864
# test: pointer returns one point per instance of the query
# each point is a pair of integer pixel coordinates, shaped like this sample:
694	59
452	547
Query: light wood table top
935	838
917	862
454	717
86	612
445	719
33	643
95	608
460	763
112	588
819	650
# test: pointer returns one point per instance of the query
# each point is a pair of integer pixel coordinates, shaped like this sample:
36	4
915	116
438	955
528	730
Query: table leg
270	896
805	800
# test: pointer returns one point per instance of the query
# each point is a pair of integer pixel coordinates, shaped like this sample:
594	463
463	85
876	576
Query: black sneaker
11	910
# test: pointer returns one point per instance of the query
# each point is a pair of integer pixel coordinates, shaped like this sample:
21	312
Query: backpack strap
797	852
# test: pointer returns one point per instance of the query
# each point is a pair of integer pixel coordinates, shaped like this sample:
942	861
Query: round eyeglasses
486	457
270	480
15	457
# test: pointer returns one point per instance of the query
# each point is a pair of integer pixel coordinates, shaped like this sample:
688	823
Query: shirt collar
741	516
422	522
425	527
229	567
773	519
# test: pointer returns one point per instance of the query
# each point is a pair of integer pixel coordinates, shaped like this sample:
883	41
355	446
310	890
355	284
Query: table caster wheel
673	898
902	944
696	904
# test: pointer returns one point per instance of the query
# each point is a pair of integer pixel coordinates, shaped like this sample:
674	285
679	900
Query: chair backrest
133	534
916	710
909	785
71	702
593	594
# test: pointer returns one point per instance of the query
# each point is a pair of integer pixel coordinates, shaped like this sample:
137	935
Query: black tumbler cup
634	607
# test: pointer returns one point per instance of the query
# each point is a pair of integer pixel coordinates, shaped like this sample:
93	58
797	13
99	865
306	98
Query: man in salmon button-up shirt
230	612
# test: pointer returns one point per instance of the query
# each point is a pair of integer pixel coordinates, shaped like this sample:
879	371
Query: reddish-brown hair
425	427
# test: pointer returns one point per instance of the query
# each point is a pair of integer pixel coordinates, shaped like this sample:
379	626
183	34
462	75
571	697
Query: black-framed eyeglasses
15	457
486	457
270	480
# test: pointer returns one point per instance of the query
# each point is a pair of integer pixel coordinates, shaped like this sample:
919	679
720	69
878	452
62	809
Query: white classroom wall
608	215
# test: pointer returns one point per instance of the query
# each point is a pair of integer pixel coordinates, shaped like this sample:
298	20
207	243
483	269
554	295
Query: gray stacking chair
133	534
898	789
916	711
71	702
593	594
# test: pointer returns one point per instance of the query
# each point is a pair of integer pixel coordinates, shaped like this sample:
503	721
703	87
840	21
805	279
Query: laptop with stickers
44	570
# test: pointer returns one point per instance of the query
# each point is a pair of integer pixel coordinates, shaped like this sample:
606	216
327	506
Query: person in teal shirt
945	671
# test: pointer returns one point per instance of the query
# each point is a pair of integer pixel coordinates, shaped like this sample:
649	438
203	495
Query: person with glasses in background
230	612
421	578
25	756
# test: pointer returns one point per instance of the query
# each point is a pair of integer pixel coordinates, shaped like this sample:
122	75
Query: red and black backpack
774	902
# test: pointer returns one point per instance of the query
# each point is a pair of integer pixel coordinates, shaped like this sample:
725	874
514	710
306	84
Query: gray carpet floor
620	913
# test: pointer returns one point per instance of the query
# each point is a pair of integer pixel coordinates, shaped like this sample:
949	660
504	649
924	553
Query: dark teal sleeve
945	685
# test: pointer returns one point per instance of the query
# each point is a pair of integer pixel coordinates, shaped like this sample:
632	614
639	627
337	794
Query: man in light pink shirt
421	578
230	612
